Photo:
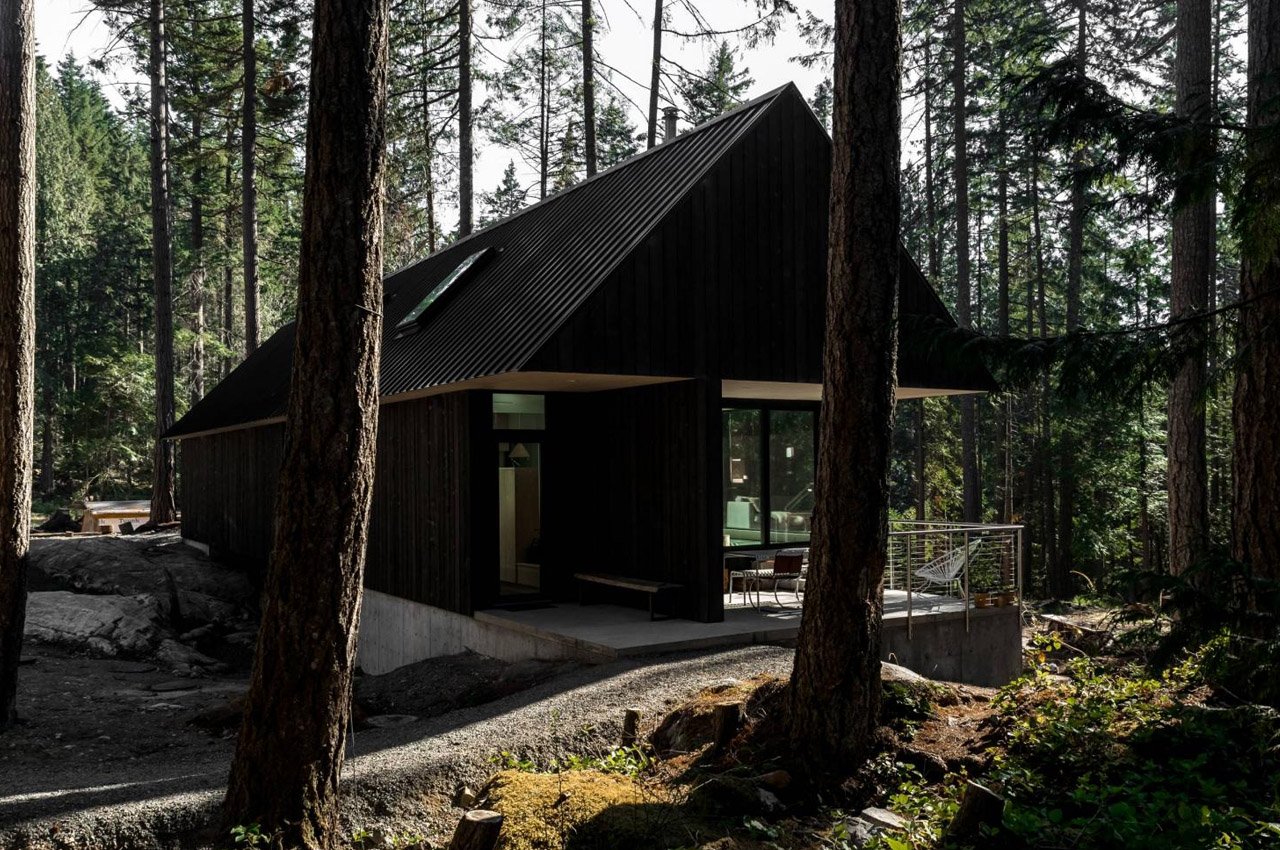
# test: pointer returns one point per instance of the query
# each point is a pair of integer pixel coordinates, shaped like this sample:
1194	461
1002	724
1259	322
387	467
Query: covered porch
951	608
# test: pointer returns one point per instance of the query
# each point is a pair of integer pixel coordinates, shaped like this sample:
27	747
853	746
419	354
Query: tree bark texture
17	328
971	482
249	179
466	180
588	87
835	683
655	75
290	749
1192	272
163	507
1256	409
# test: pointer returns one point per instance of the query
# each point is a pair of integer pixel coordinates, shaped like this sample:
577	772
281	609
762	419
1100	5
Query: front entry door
519	517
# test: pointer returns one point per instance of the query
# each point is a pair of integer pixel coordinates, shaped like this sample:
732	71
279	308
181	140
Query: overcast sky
64	26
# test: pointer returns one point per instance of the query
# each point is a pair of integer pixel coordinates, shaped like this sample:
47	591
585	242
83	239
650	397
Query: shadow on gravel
61	792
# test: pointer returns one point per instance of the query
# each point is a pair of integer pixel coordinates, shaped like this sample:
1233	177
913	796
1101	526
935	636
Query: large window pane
743	434
790	476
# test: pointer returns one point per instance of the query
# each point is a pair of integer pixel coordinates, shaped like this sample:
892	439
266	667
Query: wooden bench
640	585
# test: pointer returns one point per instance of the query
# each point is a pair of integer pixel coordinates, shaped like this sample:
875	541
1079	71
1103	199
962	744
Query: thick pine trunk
466	182
655	75
17	328
971	483
290	750
1193	226
835	684
1256	410
163	507
588	87
249	179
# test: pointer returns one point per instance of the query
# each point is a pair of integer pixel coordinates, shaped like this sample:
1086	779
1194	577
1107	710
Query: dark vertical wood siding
732	283
228	491
420	529
420	534
627	488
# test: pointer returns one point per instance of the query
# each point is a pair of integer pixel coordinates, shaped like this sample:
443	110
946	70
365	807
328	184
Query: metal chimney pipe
668	123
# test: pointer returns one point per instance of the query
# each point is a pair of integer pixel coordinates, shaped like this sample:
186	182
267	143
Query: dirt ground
107	713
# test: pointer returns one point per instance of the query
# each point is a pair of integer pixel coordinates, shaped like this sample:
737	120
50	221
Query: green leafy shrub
1121	759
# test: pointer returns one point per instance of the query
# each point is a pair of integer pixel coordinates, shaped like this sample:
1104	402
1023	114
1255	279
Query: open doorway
518	420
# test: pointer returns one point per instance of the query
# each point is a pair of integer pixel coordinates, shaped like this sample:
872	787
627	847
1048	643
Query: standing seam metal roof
552	256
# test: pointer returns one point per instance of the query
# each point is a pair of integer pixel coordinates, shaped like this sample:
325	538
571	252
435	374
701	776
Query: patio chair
947	569
788	567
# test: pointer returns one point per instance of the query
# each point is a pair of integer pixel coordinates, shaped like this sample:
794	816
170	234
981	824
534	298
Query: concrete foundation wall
395	632
989	653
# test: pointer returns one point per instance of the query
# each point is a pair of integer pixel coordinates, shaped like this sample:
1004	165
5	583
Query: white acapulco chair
946	569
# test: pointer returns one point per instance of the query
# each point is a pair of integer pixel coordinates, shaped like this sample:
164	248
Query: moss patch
583	809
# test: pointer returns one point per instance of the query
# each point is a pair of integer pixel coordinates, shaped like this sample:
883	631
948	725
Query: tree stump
478	830
979	806
724	720
630	725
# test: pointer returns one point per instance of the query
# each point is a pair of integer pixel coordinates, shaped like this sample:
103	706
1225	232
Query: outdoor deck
612	631
944	628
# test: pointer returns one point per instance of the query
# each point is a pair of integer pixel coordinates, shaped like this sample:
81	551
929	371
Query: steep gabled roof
553	254
546	263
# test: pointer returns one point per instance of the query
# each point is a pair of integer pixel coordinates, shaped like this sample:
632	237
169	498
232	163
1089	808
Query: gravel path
401	778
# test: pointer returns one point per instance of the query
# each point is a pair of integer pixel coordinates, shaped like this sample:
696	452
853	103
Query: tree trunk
228	275
930	194
835	684
196	282
588	87
1060	576
544	119
1256	409
971	486
466	184
922	486
17	329
290	749
1192	270
249	180
655	74
48	482
1002	321
1048	524
163	508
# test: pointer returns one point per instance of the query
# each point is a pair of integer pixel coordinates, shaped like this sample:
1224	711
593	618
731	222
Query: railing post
967	555
909	603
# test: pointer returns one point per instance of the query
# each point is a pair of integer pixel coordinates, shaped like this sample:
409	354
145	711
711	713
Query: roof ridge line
557	195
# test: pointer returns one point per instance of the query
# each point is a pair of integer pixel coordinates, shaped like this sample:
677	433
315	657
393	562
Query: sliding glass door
768	457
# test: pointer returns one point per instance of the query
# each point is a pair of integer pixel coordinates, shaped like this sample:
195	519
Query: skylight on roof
438	291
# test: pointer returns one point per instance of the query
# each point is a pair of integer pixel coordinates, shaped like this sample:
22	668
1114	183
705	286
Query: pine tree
835	683
289	753
507	199
717	89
